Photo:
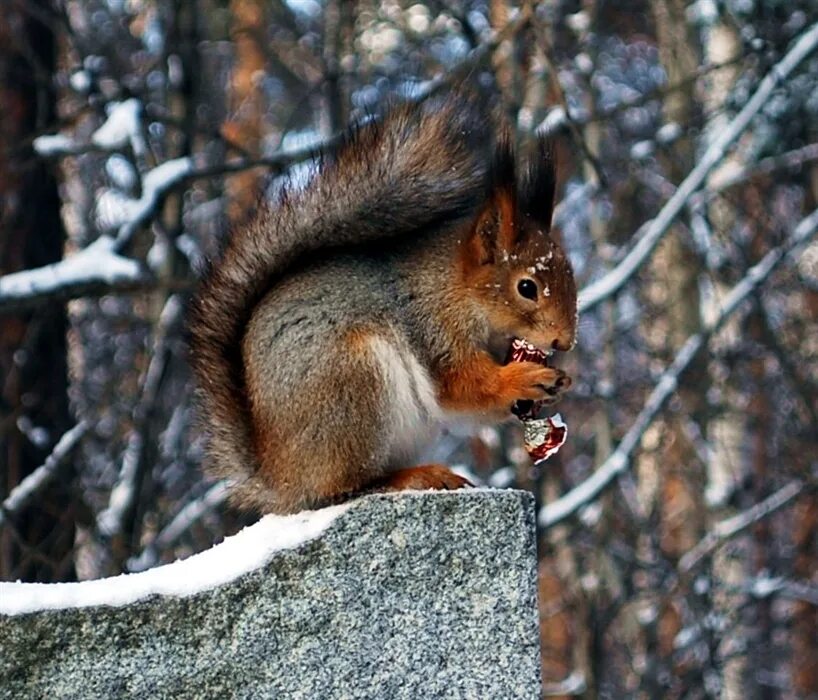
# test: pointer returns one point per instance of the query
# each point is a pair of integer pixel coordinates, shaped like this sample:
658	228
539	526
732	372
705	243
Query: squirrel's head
512	267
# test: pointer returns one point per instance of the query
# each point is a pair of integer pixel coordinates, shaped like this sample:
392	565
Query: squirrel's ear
495	229
540	183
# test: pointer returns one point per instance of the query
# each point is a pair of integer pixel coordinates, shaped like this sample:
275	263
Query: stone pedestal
418	595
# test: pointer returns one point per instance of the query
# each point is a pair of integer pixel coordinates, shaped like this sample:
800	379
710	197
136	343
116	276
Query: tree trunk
674	289
38	544
246	125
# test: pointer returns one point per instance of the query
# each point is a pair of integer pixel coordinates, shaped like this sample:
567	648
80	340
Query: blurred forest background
678	525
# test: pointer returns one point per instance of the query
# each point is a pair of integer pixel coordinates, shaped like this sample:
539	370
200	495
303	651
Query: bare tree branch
35	482
784	161
766	586
181	523
619	459
573	126
725	529
124	495
614	280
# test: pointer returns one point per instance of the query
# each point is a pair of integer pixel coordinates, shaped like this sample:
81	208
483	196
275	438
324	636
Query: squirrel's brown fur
356	313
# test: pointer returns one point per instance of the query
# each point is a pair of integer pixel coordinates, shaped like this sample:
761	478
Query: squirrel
339	329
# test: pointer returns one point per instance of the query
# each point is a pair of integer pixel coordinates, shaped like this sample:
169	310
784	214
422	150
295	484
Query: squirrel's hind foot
427	476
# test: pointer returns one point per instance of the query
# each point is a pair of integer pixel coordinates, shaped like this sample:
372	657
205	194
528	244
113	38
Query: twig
22	494
659	92
110	522
573	125
181	523
764	587
619	459
784	161
608	285
726	529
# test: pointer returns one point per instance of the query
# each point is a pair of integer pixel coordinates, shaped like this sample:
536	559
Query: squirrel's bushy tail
420	167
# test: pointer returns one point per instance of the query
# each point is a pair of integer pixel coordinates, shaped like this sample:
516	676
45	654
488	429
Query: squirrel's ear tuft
540	183
495	229
502	175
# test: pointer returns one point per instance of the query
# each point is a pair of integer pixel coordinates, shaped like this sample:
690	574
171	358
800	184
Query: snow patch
115	209
53	145
122	121
121	172
247	551
81	81
121	127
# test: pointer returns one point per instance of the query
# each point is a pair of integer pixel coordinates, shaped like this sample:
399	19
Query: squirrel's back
420	167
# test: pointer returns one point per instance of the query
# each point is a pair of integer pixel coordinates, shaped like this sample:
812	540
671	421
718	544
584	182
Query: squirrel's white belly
414	417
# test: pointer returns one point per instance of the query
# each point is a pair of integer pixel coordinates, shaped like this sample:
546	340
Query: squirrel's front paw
531	380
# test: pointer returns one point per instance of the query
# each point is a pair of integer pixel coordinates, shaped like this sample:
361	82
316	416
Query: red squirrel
350	319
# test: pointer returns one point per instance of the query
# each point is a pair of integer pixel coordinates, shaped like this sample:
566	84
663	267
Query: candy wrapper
543	436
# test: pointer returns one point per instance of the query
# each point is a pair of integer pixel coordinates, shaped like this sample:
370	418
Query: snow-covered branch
156	183
93	270
122	127
766	586
726	529
619	459
614	280
35	482
99	268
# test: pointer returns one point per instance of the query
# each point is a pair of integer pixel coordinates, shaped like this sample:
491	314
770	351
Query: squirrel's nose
562	345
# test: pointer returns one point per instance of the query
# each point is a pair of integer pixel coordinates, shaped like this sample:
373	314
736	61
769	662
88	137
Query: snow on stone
53	145
247	551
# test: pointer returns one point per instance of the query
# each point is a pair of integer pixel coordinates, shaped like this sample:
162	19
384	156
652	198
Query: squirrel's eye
527	288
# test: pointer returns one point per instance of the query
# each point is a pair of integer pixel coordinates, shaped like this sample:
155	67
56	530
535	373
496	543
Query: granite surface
410	596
